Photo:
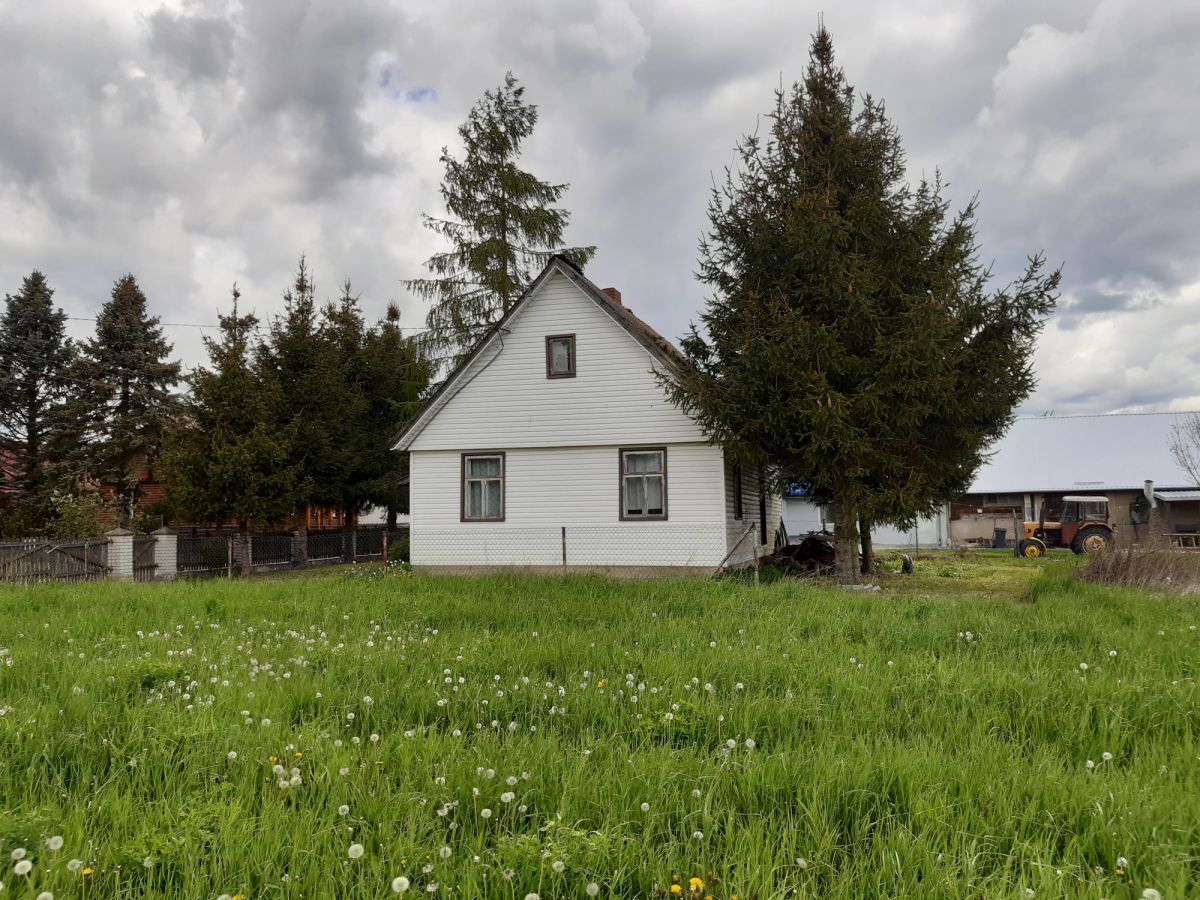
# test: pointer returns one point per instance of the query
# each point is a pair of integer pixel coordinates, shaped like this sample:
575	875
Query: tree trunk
868	547
845	535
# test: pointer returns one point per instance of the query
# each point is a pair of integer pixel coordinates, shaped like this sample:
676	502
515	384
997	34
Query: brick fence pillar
243	561
166	554
300	547
120	553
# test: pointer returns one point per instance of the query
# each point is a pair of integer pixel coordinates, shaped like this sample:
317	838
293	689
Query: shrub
398	551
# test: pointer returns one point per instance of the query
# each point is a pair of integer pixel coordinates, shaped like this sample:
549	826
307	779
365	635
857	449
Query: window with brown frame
560	356
738	511
482	487
644	483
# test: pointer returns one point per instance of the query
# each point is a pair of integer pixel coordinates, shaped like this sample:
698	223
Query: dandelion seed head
645	807
399	884
356	851
23	867
592	890
343	809
558	866
54	843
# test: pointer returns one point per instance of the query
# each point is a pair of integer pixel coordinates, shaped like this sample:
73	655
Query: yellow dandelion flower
676	889
272	759
298	754
89	871
696	885
602	682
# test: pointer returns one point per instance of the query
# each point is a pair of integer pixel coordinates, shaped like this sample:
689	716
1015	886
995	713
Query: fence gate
45	560
143	557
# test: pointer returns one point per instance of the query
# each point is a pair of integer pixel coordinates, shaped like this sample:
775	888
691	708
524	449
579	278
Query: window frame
462	484
622	516
739	509
570	338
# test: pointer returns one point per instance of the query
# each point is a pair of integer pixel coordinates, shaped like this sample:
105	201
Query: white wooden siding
549	488
735	528
508	402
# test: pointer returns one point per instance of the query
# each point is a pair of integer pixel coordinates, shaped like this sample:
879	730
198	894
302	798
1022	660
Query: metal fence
201	556
45	560
142	557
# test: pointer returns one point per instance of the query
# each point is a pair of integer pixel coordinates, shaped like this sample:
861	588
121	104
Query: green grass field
573	737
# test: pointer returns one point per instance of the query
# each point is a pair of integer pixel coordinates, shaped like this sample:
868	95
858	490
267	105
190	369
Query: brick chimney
612	294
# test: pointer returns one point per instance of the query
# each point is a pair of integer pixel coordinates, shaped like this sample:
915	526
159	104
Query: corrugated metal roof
1177	496
1084	453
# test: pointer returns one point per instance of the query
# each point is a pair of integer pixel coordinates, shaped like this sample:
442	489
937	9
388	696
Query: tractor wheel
1033	548
1092	540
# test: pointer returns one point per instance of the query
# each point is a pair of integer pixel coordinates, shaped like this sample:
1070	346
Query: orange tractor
1082	525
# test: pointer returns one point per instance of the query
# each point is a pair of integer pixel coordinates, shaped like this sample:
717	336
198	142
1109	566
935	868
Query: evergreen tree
123	404
851	342
228	458
302	361
502	226
398	374
35	355
345	333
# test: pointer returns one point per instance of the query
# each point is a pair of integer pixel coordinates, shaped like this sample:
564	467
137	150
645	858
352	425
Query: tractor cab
1081	524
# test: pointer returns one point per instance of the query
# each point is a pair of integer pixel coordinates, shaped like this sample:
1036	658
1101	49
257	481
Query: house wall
548	489
735	528
509	402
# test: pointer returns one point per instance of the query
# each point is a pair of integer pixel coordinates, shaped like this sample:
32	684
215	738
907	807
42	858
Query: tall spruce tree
345	332
123	404
851	341
301	358
35	355
502	226
398	374
227	457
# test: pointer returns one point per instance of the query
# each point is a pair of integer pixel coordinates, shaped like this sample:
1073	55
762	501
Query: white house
554	445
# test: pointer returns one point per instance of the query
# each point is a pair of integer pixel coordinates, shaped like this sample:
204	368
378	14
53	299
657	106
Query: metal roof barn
1073	454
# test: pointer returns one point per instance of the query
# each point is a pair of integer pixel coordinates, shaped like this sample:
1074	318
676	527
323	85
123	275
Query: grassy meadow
986	728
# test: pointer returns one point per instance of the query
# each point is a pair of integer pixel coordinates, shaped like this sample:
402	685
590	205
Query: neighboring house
1040	460
554	445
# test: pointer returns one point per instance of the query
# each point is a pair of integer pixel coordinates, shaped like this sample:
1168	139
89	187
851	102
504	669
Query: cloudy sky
203	142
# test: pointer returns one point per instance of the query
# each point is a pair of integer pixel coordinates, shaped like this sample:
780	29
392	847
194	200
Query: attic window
560	356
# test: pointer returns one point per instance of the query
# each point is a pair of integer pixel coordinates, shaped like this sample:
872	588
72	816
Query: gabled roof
1049	454
659	347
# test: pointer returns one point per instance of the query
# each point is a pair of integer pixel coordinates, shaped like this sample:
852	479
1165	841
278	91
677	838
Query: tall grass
789	739
1155	569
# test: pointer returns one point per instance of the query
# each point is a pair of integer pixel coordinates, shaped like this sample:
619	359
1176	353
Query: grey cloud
211	141
200	45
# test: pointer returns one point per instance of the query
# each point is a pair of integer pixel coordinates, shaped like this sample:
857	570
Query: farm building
1122	456
554	445
1043	459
